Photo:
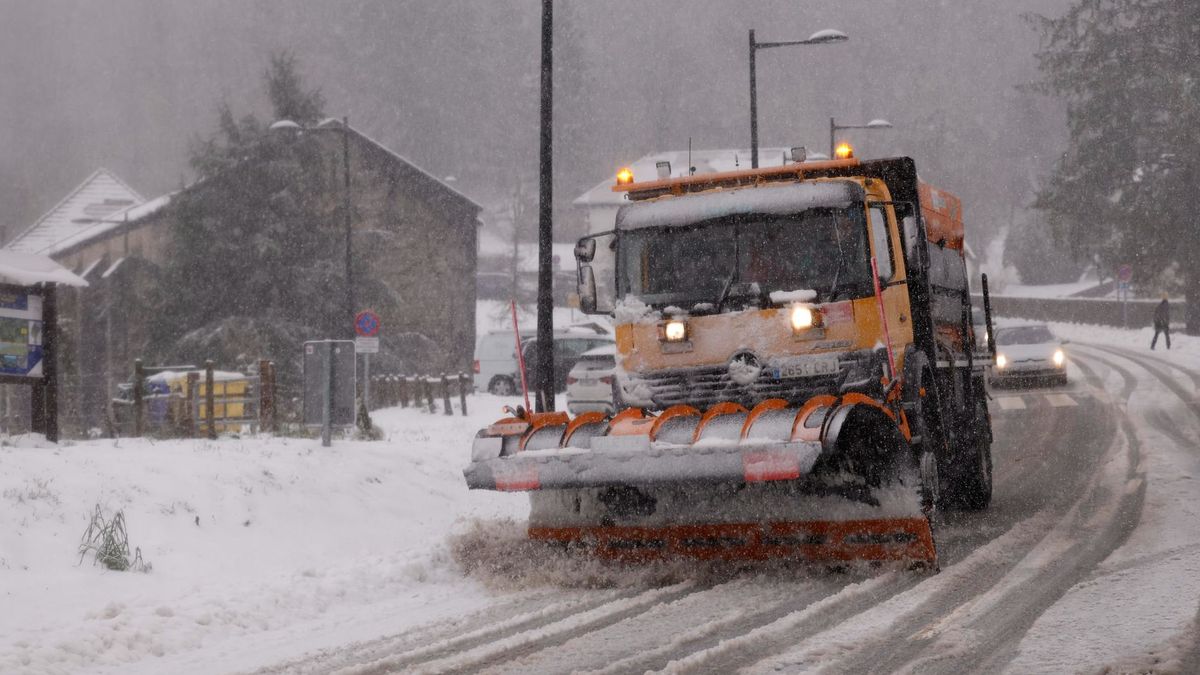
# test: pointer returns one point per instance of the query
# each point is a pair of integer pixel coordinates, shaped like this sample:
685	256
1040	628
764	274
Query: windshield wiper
727	287
838	271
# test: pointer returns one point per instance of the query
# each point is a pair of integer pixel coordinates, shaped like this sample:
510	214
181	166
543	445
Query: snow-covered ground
267	550
261	548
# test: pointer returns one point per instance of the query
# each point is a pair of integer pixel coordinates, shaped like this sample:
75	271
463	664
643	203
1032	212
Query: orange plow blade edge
873	540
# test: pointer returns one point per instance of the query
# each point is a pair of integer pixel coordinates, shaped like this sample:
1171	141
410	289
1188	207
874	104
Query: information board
21	340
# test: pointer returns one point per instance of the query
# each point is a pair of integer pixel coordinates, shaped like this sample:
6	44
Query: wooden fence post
429	394
266	395
274	416
209	400
193	410
446	395
139	376
462	391
402	381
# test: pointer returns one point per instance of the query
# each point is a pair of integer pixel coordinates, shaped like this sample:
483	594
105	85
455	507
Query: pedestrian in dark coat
1162	322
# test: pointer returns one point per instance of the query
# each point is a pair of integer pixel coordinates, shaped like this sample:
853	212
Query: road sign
366	324
366	345
1125	273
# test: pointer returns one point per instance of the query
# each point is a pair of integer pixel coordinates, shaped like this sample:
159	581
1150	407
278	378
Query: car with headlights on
590	382
1027	354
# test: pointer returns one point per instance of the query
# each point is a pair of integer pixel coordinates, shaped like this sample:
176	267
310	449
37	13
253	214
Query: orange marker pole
521	353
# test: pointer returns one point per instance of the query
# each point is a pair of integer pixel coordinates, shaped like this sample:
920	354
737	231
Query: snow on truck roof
705	161
776	199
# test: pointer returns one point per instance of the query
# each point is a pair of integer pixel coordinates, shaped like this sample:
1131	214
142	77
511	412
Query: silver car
1029	353
590	382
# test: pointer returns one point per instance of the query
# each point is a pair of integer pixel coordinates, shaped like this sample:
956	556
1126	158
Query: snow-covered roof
705	161
88	208
26	269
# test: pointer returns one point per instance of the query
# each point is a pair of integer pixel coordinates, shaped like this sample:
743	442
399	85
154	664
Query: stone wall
1102	312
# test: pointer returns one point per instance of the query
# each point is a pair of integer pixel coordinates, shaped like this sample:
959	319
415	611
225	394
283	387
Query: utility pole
753	107
545	298
350	310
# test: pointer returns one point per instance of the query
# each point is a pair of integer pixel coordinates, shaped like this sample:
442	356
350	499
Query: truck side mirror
585	250
587	286
912	241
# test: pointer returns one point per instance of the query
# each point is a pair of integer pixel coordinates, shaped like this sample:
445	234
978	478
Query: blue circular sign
367	324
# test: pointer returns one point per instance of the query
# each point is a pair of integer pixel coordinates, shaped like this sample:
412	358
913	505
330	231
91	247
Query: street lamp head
879	123
827	35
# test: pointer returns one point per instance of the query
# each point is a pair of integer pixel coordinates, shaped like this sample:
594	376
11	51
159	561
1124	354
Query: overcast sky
452	84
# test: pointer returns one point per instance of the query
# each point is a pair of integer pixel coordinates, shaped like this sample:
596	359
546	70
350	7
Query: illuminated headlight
802	318
1059	357
675	331
1001	360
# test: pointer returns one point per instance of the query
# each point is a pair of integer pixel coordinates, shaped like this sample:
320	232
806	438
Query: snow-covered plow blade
831	480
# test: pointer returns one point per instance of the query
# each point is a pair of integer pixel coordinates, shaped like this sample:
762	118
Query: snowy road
1089	557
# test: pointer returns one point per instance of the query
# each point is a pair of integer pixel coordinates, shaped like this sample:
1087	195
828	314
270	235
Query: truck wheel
970	487
502	386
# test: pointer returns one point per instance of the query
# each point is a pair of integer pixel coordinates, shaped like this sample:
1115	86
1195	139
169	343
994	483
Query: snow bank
261	547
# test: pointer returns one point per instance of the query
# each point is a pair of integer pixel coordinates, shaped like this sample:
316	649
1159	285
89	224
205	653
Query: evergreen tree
1129	71
252	237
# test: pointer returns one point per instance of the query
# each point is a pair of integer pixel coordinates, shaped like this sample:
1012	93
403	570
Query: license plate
807	366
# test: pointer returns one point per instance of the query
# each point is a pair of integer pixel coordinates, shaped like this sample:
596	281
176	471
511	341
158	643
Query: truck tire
969	487
502	386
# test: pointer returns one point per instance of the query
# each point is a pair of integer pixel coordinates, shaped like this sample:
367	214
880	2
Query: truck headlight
1059	357
802	318
674	331
1001	360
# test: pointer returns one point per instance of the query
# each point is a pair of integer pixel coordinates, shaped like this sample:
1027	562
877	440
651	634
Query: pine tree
251	238
1129	71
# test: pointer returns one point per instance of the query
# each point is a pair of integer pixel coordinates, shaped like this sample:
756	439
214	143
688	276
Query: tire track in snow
987	557
463	632
1188	398
515	638
997	576
650	640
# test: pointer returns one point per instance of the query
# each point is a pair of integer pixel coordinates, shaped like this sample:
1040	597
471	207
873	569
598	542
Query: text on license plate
807	366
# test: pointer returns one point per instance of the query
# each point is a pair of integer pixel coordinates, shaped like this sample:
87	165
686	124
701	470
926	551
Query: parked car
496	362
569	346
1029	353
590	382
496	366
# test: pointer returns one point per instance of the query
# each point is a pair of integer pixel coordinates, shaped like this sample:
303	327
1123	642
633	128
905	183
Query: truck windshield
694	264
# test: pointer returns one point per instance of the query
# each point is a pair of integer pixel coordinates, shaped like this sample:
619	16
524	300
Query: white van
496	367
496	362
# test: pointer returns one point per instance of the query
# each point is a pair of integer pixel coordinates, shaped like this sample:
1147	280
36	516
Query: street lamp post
834	127
347	221
818	38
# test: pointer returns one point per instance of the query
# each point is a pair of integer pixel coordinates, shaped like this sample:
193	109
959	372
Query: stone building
411	231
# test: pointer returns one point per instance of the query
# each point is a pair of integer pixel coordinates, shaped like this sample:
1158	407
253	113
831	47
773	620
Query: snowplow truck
797	376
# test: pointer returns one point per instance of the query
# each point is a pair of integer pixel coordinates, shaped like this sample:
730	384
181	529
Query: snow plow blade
879	540
832	480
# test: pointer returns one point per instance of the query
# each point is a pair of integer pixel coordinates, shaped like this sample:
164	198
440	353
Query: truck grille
703	387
